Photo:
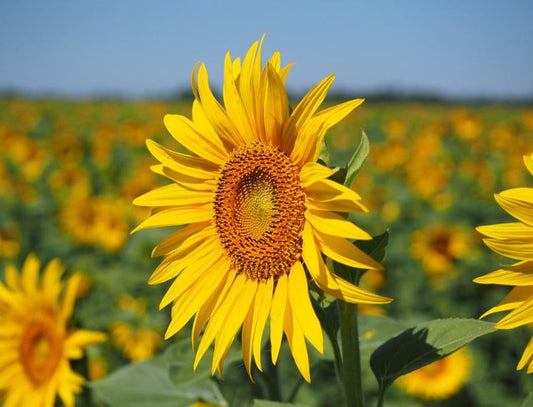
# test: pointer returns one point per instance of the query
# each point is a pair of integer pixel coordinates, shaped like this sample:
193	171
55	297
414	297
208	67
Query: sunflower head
36	342
257	212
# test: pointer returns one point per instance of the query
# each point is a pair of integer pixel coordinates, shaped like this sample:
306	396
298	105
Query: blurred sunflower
514	240
136	344
439	380
258	206
438	246
35	341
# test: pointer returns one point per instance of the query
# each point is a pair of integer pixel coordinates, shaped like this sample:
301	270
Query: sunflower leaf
163	381
357	160
528	402
423	344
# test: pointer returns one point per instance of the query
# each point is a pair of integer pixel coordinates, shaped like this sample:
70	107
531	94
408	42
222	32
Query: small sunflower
514	240
439	380
258	207
439	246
35	341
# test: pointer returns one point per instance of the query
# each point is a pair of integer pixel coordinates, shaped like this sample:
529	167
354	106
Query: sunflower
514	240
439	246
257	206
439	380
35	343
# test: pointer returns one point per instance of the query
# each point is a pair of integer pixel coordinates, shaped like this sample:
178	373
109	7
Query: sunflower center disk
259	211
40	351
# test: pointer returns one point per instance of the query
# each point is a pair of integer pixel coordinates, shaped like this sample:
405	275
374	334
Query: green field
69	171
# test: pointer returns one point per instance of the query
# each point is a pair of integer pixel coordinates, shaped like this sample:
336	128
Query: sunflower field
69	171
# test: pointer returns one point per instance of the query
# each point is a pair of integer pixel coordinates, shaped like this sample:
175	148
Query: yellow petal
191	275
518	202
195	167
302	307
185	133
522	315
513	230
527	355
515	249
304	111
80	339
173	195
312	172
528	161
296	341
276	105
69	296
332	224
30	274
277	316
192	250
218	319
263	301
342	251
246	335
215	113
176	239
211	303
329	195
234	105
310	137
195	296
234	318
519	274
177	217
514	299
313	261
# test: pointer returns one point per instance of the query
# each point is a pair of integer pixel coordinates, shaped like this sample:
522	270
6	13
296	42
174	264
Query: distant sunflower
514	240
258	206
439	246
439	380
35	343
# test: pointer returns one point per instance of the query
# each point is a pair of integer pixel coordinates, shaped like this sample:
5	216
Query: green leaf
423	344
357	160
324	154
166	380
375	330
376	247
268	403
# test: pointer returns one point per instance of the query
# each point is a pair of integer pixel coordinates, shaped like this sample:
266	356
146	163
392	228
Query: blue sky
136	48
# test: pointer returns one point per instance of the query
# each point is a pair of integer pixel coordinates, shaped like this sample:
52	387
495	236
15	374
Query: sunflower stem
351	359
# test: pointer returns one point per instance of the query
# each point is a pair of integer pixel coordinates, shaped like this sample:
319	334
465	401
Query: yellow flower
35	337
438	246
439	380
95	221
9	241
139	344
514	240
258	206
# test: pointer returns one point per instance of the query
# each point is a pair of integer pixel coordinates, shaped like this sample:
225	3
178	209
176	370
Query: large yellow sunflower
35	342
258	207
514	240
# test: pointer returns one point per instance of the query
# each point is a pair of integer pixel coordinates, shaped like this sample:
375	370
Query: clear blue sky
460	48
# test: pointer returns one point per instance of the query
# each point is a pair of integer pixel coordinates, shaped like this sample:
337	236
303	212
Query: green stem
272	379
381	398
351	365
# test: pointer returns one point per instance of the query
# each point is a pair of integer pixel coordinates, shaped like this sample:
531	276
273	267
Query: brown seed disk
259	211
